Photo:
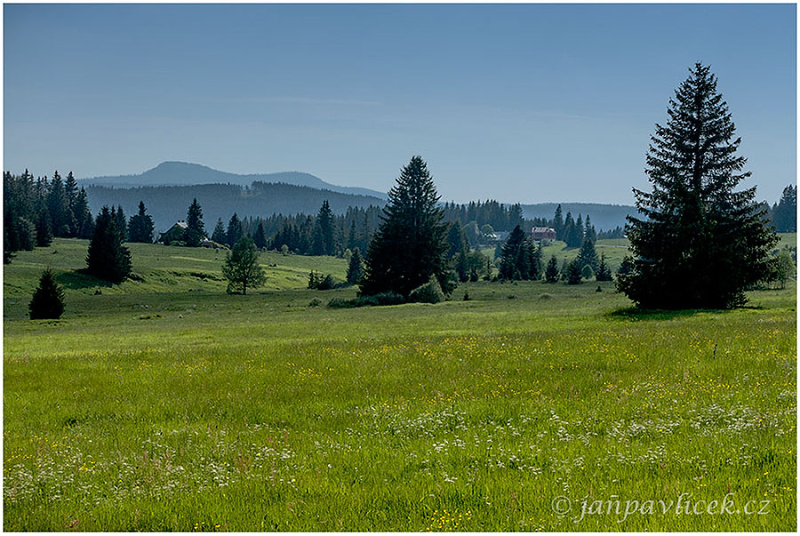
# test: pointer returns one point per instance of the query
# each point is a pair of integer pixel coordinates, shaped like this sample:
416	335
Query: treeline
784	213
497	215
167	204
37	209
330	234
521	258
325	233
480	220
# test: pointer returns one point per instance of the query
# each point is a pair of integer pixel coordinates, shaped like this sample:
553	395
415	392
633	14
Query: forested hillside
168	204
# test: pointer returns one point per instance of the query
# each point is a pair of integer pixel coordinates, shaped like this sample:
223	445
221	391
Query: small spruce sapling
48	299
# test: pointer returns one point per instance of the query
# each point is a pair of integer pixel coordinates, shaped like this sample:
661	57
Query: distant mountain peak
173	164
177	173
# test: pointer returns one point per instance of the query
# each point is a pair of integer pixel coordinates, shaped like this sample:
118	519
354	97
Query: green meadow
164	404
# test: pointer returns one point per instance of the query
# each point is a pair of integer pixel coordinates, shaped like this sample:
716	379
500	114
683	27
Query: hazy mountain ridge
168	189
186	174
168	204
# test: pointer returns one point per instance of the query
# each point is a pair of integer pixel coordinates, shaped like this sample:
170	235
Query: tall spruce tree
195	228
71	192
519	257
558	223
140	226
20	213
590	231
573	236
108	259
122	223
83	215
235	231
552	274
409	245
587	256
218	235
784	214
603	270
352	236
58	206
456	240
572	273
260	236
700	243
355	268
323	241
44	230
509	254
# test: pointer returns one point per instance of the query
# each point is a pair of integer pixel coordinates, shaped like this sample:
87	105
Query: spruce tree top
194	217
696	149
414	194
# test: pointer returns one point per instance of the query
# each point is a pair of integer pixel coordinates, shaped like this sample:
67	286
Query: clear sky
519	103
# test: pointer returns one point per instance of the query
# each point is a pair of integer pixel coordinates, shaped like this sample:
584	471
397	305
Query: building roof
179	225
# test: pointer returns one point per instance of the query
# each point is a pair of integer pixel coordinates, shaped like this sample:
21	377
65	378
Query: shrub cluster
318	282
430	292
384	298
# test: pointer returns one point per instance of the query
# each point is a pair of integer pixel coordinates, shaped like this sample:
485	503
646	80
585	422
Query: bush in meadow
430	292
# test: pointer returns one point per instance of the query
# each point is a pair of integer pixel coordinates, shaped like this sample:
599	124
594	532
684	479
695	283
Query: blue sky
528	103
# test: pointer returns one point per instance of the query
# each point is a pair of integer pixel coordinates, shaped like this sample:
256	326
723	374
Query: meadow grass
173	406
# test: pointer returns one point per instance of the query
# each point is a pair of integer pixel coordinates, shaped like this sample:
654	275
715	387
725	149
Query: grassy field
165	404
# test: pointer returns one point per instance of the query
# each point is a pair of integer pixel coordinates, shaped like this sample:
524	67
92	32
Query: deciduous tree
241	267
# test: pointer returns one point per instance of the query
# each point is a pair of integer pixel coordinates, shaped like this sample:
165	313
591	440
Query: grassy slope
163	269
193	410
616	249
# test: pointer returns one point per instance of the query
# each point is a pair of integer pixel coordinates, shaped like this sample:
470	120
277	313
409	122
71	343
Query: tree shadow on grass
635	314
79	279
